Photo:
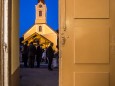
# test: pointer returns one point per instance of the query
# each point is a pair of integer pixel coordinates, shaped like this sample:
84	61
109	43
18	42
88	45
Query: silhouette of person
50	56
31	54
25	53
38	54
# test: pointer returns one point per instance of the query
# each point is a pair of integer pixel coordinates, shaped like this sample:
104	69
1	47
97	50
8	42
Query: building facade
40	30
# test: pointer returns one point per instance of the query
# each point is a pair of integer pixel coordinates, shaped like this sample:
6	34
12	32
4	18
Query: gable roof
32	35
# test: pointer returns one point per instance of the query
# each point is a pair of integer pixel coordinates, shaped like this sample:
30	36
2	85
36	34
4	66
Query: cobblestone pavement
38	76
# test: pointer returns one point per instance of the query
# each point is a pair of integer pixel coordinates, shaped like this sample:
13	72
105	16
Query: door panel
91	79
87	28
92	9
91	45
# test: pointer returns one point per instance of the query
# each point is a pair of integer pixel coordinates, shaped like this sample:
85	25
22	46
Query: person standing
31	54
38	54
25	53
50	56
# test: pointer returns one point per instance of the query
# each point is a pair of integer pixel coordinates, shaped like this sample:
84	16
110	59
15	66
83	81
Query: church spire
41	10
41	1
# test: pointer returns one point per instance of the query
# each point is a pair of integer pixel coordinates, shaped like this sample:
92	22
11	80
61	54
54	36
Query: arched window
40	13
40	28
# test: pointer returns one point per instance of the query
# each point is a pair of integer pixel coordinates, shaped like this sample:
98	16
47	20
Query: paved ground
39	76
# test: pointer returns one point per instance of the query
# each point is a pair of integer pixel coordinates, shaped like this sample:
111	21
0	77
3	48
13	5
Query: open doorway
83	60
39	27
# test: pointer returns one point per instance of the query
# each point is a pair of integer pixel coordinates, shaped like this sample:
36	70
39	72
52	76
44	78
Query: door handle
63	41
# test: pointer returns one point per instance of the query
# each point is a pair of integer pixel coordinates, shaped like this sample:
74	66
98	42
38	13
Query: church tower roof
41	1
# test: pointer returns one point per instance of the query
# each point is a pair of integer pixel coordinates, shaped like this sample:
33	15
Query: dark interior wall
15	80
15	71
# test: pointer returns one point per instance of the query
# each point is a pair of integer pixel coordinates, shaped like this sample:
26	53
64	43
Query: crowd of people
31	53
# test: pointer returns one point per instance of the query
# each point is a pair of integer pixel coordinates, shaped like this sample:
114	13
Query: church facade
40	30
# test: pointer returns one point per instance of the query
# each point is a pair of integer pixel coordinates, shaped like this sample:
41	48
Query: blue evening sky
27	14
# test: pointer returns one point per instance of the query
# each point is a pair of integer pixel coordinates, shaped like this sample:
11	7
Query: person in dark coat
38	54
31	54
50	56
25	53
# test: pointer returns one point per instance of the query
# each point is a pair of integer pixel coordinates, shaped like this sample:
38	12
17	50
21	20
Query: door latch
63	40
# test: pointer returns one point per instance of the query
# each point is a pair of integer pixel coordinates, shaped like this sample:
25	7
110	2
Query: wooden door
87	42
0	44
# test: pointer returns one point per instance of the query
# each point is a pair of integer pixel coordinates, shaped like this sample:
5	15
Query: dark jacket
31	50
50	52
39	51
25	49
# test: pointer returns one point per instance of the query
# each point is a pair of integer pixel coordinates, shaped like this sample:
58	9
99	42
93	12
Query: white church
40	30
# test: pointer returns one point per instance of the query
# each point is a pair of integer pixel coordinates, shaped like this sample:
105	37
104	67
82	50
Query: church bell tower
41	10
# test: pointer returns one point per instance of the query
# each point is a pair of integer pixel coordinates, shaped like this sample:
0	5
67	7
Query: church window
40	13
40	6
40	28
